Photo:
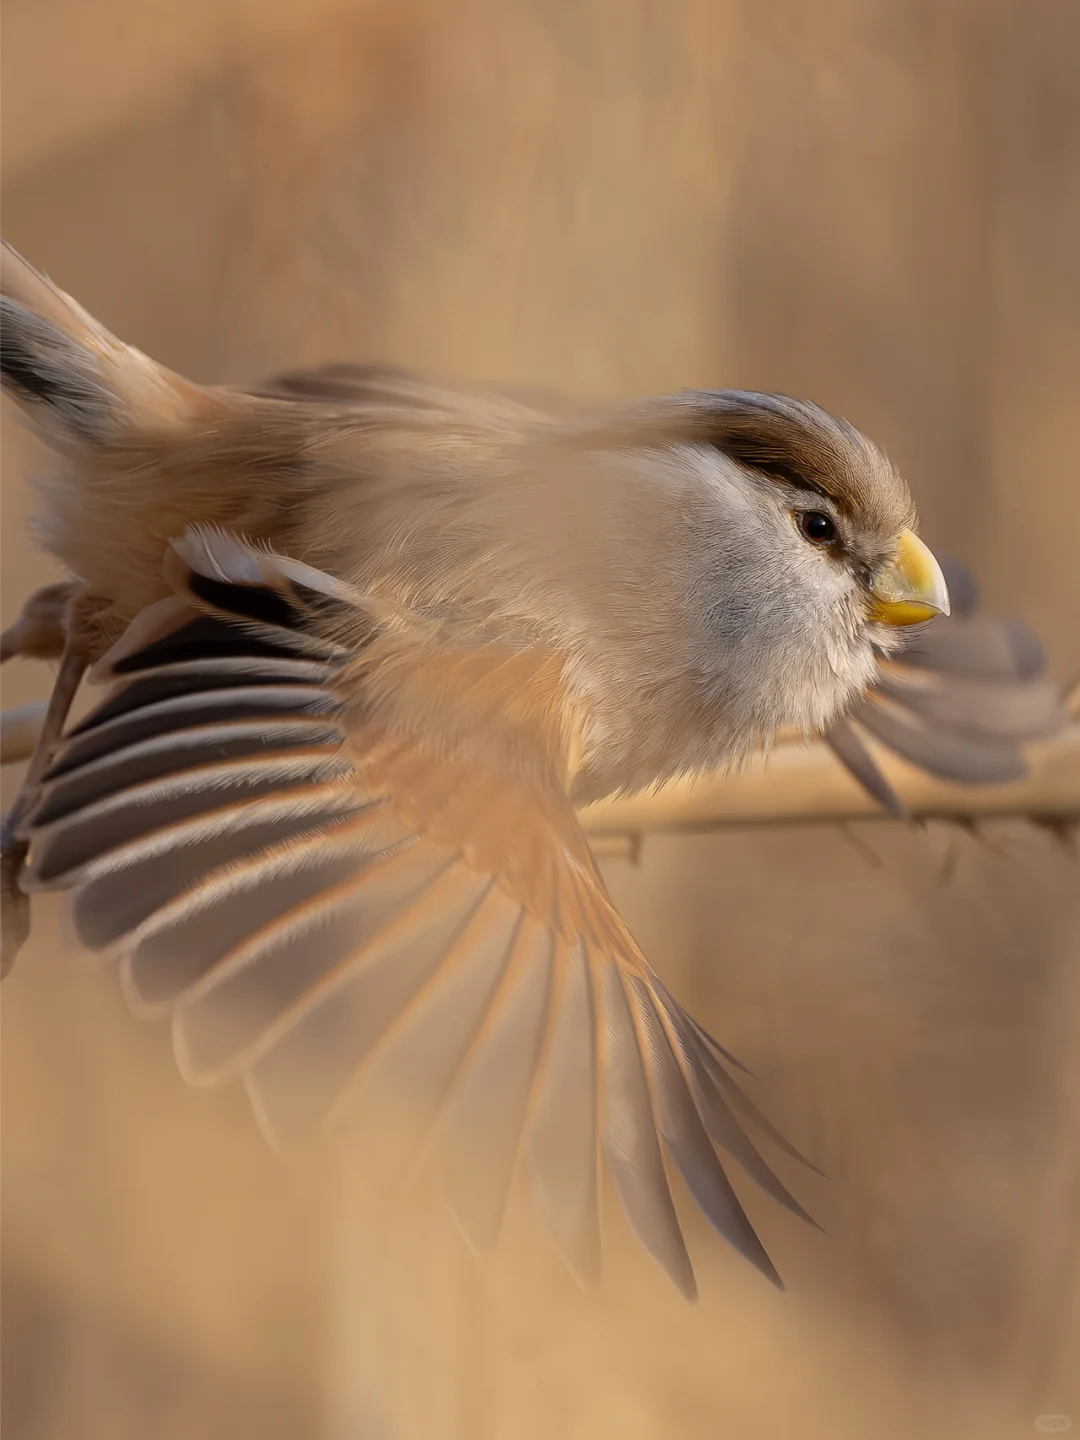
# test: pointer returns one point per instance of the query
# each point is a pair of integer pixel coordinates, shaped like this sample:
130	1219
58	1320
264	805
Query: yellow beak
911	588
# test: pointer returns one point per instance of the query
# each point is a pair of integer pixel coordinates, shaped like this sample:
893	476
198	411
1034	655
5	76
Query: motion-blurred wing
359	927
961	701
379	388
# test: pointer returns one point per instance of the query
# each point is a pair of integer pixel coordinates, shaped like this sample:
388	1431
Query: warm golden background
872	202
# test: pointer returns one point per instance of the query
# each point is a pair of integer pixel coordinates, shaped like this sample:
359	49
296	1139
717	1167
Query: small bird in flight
366	642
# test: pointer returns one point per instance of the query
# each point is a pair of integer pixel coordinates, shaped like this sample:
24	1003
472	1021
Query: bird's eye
817	527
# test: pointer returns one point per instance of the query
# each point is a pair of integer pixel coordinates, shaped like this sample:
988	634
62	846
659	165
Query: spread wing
960	701
355	923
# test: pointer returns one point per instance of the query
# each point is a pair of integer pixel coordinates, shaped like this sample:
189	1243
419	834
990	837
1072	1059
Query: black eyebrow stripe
798	479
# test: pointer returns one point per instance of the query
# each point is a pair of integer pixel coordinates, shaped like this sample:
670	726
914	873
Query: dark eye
817	527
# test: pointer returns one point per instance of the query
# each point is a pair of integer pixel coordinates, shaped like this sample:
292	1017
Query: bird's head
804	555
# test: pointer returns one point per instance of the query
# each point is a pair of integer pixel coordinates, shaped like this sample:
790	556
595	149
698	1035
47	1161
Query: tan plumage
371	640
470	505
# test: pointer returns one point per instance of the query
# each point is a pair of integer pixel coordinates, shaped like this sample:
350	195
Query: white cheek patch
772	627
840	661
827	659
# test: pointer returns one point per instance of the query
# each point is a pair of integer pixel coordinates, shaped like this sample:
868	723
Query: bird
365	641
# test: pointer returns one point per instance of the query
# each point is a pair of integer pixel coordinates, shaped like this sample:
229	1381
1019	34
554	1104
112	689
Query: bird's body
648	553
376	638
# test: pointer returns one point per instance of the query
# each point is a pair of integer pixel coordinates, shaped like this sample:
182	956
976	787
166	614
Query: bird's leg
57	620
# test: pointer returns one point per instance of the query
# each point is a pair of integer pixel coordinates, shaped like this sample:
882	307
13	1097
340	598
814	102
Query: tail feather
143	453
76	381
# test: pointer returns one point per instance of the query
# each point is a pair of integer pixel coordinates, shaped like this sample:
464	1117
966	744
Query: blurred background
873	203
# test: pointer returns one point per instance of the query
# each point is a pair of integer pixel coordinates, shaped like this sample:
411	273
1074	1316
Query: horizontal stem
807	783
797	782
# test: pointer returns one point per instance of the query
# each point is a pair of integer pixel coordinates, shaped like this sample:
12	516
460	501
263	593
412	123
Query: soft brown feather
585	535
